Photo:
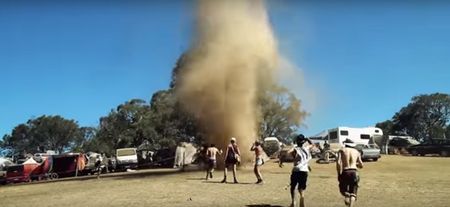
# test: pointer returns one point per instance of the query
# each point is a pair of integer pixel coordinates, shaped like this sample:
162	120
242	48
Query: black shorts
348	182
211	163
299	179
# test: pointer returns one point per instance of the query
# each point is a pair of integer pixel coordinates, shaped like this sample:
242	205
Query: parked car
369	151
434	146
399	144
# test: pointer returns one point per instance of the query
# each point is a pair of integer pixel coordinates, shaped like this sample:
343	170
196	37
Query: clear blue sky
361	61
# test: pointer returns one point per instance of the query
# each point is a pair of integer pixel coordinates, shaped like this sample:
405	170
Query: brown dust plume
232	58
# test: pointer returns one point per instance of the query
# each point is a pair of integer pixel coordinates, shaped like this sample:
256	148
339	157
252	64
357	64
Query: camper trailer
336	136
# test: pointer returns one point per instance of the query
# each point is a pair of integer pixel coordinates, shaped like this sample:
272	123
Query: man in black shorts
300	170
347	163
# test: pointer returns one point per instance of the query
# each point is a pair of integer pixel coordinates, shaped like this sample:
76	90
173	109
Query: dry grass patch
393	181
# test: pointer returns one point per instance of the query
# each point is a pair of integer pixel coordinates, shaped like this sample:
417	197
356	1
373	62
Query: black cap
300	139
348	141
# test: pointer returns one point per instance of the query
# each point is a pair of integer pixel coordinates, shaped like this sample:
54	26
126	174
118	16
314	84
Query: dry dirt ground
392	181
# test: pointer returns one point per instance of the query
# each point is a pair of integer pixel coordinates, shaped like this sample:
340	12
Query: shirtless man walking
347	164
259	161
211	155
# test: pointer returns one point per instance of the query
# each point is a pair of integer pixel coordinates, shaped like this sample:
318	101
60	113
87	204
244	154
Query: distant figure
232	157
299	176
326	145
258	160
104	163
326	151
348	160
211	154
98	164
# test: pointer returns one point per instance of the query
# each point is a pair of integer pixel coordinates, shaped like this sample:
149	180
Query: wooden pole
184	159
76	167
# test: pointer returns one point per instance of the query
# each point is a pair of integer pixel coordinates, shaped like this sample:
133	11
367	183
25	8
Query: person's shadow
263	205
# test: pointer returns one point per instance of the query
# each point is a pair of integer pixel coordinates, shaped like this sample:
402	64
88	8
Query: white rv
336	136
126	158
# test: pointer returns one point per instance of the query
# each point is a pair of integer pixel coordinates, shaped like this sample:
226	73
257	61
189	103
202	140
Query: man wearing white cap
348	162
232	157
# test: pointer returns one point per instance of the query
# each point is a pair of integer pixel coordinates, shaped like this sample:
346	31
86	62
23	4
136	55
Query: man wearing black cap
302	155
347	164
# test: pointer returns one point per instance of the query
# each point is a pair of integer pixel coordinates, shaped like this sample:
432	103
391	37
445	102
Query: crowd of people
348	161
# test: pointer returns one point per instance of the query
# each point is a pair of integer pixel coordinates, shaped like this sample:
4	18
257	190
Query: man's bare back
212	152
348	158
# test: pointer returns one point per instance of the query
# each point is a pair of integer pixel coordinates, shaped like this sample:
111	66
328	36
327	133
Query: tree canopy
44	133
425	117
281	114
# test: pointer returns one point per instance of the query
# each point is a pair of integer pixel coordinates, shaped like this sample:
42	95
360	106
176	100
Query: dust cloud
232	58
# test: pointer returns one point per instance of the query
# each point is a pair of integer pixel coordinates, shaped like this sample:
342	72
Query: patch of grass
392	181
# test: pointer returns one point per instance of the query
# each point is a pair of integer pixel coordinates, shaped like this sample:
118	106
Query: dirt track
393	181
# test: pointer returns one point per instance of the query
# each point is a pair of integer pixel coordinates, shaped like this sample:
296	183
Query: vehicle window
377	131
365	136
344	133
333	135
126	152
404	142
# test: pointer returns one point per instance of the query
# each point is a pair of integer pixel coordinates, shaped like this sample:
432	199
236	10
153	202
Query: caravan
336	136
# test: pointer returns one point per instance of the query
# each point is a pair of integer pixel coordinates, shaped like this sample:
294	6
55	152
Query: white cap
350	144
233	139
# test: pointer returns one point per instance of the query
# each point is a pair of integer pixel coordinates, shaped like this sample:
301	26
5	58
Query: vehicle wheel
54	176
444	153
414	153
375	159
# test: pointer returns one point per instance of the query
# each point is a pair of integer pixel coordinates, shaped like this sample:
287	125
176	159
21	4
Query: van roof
271	139
126	148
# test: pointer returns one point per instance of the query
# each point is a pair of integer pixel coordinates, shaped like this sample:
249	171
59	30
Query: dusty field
393	181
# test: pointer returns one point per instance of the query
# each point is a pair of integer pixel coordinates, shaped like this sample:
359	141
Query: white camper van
336	136
126	158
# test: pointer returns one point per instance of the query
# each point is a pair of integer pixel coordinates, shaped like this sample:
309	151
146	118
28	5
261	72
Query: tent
185	154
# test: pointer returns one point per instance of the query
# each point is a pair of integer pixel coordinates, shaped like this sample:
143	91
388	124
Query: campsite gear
238	158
